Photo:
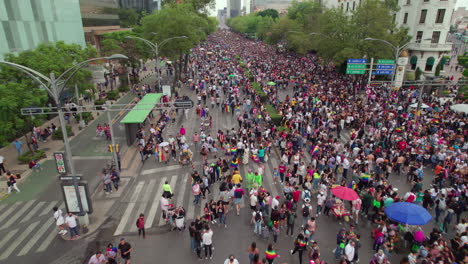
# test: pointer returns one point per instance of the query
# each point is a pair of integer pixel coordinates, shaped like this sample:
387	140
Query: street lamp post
397	50
52	87
155	47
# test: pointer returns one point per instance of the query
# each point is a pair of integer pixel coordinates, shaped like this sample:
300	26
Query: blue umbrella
408	213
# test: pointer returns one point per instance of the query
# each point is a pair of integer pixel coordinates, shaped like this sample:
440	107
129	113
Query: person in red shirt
296	195
282	169
140	223
182	131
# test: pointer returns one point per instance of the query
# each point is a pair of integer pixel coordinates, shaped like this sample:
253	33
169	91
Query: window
405	18
429	64
422	19
440	16
419	36
414	62
435	37
408	2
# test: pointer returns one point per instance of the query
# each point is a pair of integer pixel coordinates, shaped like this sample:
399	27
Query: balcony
430	47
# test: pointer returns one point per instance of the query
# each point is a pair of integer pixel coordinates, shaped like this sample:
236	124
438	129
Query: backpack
237	194
306	194
258	217
305	210
441	204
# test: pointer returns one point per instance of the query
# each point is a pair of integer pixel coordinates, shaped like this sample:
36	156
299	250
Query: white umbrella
163	144
202	49
415	105
460	108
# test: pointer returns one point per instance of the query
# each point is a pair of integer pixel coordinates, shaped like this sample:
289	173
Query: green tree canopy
128	17
273	13
117	42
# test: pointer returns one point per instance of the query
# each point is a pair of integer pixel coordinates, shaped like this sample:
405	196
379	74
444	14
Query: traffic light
117	148
111	149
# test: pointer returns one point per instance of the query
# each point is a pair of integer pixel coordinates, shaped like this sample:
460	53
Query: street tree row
332	33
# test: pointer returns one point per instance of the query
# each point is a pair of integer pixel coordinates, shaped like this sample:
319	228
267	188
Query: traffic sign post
385	67
357	61
60	162
355	71
383	72
356	66
386	62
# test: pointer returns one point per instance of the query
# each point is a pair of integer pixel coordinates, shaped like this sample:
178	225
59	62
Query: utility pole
82	122
109	120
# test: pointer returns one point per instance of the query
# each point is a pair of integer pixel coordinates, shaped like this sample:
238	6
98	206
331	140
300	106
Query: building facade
26	23
428	22
233	8
140	5
99	13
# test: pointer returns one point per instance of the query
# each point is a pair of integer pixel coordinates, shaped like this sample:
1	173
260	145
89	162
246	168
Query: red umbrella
345	193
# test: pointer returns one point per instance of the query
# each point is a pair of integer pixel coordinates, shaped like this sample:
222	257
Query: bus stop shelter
137	116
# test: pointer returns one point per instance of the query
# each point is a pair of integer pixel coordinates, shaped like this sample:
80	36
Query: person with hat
306	211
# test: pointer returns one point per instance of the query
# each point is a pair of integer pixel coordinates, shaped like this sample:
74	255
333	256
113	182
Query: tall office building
25	24
233	8
140	5
99	13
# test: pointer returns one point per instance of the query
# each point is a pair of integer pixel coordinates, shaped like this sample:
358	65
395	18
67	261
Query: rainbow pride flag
227	108
270	254
365	177
235	163
233	151
315	150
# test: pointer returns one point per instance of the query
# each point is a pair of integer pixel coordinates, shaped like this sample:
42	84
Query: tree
116	42
19	90
281	30
306	14
128	17
273	13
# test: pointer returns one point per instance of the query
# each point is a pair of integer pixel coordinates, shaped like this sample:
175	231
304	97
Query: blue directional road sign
385	67
382	72
357	60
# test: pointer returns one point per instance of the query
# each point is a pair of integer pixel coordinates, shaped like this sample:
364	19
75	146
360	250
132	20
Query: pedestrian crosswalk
26	227
145	196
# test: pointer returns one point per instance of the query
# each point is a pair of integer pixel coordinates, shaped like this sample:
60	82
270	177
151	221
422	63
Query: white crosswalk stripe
33	211
144	202
49	225
129	209
155	205
18	240
50	206
8	211
18	214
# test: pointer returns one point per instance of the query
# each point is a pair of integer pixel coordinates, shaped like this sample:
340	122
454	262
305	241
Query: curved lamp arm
35	75
383	41
169	39
149	43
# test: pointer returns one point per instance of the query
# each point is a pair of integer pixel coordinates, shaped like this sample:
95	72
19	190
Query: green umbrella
271	83
225	59
232	75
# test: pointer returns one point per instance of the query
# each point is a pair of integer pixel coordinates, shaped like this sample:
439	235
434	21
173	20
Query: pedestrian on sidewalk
70	220
140	223
300	246
59	220
252	250
196	192
111	254
167	191
2	165
115	179
238	194
257	219
231	260
107	180
11	181
125	249
270	254
18	146
207	239
98	258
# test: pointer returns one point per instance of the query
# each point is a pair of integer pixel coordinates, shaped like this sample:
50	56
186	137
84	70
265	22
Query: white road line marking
33	211
18	240
17	214
144	202
48	209
128	211
9	210
181	191
155	204
47	241
172	184
9	235
2	206
48	224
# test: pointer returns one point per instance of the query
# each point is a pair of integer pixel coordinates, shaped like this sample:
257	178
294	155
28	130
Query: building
279	5
233	8
428	22
460	19
140	5
99	13
25	24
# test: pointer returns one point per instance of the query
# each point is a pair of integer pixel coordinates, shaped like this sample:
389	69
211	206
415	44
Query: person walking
270	254
70	220
111	254
140	224
196	192
59	220
98	258
207	240
349	252
11	181
300	246
290	219
306	211
125	249
252	250
340	243
257	219
167	191
238	194
18	146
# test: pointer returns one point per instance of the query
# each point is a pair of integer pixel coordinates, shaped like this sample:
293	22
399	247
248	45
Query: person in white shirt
231	260
59	220
207	241
349	252
320	202
98	258
70	220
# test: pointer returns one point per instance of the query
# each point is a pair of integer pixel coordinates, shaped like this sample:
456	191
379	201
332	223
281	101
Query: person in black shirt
125	249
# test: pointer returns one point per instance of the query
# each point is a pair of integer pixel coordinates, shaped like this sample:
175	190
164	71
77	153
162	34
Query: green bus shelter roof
140	111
